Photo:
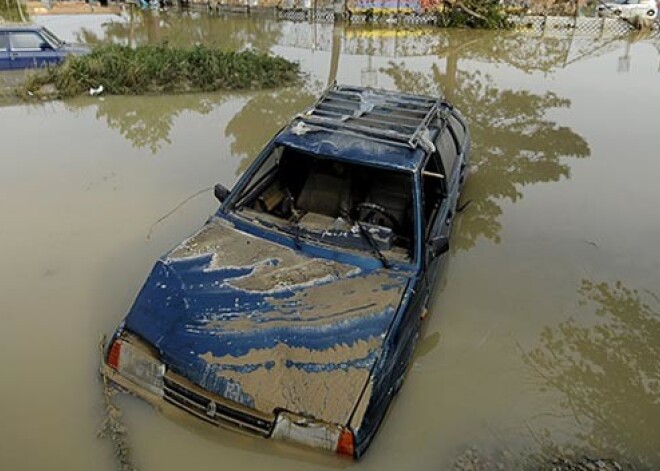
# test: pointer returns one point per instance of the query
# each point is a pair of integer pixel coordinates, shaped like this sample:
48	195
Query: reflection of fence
529	49
566	23
407	12
320	15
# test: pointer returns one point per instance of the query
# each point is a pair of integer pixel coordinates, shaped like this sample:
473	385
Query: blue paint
353	149
195	307
297	333
52	51
188	309
207	377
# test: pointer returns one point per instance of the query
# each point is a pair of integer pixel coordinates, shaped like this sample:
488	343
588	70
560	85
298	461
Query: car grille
192	399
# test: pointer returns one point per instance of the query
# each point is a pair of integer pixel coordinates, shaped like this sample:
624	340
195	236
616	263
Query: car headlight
137	362
316	434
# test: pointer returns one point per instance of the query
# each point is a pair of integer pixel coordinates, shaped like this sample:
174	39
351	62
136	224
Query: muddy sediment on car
301	295
303	391
272	266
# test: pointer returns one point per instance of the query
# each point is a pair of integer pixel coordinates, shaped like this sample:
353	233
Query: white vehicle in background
629	9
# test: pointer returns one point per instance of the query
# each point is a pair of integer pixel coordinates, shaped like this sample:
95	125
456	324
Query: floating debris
96	91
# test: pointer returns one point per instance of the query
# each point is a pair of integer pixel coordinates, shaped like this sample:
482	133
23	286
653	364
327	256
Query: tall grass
161	69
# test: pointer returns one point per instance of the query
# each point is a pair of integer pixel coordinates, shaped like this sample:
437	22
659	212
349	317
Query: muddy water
545	327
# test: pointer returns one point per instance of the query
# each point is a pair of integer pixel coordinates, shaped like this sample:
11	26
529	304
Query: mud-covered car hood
264	325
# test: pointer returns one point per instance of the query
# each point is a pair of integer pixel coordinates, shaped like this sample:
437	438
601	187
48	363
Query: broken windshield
339	203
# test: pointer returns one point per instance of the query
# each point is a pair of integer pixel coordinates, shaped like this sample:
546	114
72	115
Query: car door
461	136
30	49
437	214
446	146
5	62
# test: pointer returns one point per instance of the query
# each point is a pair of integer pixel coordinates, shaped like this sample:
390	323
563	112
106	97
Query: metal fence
578	24
325	11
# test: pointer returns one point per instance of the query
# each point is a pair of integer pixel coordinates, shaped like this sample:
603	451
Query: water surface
544	328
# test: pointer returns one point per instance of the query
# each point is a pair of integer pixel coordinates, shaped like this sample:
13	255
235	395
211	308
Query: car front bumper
182	399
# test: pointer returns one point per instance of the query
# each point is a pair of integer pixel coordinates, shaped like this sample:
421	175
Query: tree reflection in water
261	117
513	143
147	121
188	29
607	371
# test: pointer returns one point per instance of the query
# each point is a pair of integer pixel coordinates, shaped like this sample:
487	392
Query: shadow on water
605	365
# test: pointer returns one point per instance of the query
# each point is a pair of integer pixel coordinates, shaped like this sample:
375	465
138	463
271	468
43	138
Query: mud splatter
310	382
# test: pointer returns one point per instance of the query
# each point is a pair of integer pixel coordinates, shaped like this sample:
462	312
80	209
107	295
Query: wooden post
339	9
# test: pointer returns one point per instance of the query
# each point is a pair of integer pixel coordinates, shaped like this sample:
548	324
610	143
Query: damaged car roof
369	126
352	148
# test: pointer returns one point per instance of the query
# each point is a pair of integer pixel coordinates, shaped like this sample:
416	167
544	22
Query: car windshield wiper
296	230
373	244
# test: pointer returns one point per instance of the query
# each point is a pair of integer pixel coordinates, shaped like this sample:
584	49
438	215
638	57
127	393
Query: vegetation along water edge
150	69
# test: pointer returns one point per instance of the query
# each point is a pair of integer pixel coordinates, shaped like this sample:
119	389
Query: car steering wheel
375	214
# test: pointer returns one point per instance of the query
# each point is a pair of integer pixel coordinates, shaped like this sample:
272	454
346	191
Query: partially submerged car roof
361	124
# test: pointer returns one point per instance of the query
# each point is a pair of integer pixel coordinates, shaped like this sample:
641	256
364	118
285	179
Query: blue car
293	313
24	47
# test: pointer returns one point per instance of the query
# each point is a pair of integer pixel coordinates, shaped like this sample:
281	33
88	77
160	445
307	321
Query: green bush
160	69
480	14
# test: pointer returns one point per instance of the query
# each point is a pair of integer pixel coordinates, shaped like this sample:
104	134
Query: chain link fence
578	16
586	25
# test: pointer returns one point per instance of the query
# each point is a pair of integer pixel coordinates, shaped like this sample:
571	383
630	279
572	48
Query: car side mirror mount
45	46
439	245
220	192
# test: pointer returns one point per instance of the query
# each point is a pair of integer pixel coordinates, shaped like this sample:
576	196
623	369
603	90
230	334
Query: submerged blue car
24	47
293	312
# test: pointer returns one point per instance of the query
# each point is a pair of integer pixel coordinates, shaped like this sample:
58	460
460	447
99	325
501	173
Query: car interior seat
325	192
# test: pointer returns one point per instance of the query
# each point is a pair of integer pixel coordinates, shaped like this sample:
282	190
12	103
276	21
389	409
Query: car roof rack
380	115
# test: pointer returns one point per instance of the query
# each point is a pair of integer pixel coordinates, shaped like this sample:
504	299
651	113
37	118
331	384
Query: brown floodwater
545	326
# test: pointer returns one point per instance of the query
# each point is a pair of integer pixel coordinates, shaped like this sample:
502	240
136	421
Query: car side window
433	190
458	129
4	43
447	148
261	175
26	41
